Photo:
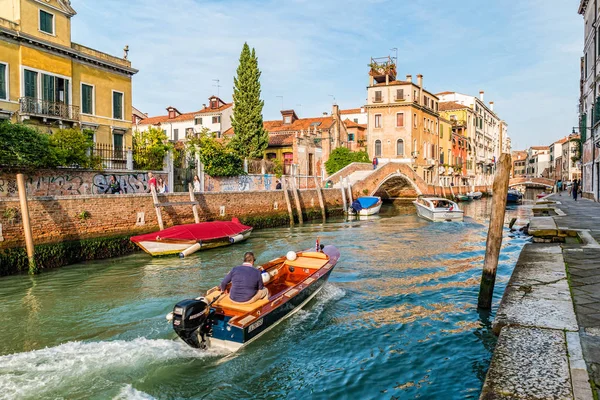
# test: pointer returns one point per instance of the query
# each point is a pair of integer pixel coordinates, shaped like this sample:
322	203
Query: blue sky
523	54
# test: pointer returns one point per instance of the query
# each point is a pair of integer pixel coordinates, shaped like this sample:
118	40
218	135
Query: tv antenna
217	85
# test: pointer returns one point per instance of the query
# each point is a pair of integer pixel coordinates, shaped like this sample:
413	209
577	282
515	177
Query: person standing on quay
375	162
559	187
575	188
196	184
151	181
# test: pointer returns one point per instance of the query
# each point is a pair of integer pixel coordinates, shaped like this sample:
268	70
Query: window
378	148
442	157
216	119
415	119
46	22
351	137
378	96
31	84
189	132
87	99
399	119
356	120
197	121
415	150
3	81
400	94
377	120
441	132
118	105
176	134
118	141
286	120
400	147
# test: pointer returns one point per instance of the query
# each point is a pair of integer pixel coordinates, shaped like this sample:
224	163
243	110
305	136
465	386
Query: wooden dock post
194	206
494	236
321	200
161	226
297	201
345	206
443	192
349	187
26	222
287	200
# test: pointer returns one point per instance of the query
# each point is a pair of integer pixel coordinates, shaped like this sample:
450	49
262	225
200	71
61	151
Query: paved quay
548	321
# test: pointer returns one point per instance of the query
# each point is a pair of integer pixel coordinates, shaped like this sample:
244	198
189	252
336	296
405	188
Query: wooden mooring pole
297	201
321	200
26	222
287	200
494	236
157	207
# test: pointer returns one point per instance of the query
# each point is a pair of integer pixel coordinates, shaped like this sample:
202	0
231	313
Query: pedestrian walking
575	189
375	162
559	186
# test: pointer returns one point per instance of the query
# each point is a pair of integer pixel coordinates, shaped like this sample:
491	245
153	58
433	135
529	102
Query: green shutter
3	94
30	84
117	105
48	87
118	141
46	22
86	99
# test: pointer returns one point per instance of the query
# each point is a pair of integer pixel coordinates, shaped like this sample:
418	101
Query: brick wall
56	219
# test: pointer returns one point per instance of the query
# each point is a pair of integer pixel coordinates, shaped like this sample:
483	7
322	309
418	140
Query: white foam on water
75	365
329	293
129	393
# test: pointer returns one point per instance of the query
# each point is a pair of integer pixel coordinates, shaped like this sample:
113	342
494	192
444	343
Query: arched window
415	148
378	148
400	147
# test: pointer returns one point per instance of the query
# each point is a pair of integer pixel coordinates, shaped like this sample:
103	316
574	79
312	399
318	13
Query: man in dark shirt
246	282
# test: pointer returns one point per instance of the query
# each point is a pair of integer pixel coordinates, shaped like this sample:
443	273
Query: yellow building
445	151
51	82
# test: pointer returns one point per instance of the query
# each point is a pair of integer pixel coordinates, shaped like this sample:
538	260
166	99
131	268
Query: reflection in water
397	320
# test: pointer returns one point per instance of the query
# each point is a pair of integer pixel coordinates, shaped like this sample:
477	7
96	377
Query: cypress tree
250	139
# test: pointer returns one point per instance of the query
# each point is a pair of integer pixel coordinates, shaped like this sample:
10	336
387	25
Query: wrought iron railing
47	108
112	157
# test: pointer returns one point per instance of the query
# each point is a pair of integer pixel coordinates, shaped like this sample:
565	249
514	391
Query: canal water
398	319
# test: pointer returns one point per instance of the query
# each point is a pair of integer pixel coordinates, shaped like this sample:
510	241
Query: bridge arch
396	185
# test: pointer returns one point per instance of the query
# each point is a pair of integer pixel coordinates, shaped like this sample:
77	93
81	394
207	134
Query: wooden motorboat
438	209
475	195
463	197
365	205
216	321
514	196
186	239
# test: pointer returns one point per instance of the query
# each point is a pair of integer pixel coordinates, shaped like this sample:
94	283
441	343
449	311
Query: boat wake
312	311
129	393
87	368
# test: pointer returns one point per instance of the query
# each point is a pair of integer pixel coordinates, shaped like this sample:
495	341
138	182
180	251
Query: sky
523	54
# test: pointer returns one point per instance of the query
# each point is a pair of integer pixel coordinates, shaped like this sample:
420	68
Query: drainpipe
595	98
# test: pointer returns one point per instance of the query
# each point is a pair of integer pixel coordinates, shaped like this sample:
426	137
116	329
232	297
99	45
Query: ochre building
48	81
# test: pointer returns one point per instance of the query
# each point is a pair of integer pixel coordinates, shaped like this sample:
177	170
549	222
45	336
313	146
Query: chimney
408	78
335	111
492	105
420	80
203	105
481	95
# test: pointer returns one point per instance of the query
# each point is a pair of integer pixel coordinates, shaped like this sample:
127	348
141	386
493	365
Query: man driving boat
246	282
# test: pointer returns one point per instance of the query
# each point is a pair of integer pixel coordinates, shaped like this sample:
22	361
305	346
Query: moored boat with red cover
186	239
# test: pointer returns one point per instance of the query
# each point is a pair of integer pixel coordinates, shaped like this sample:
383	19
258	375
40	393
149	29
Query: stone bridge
532	182
392	180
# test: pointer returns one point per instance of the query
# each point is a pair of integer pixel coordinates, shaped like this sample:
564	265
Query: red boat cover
202	231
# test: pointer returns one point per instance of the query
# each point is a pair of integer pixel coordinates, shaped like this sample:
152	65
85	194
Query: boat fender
266	277
291	255
236	238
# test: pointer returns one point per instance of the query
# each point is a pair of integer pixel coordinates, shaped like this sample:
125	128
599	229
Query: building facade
570	158
214	116
589	101
461	159
538	162
403	120
519	160
52	82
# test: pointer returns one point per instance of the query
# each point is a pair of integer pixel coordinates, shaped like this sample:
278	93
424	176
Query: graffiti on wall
59	183
239	183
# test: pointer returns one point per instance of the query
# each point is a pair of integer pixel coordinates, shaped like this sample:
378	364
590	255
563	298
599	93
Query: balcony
48	109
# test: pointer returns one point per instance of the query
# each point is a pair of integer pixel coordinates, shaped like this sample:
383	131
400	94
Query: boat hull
513	198
164	248
439	215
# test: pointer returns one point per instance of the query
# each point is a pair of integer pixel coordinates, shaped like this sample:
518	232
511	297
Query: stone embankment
85	219
548	321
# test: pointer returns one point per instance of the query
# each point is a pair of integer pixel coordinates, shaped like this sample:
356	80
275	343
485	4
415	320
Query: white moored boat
438	209
365	205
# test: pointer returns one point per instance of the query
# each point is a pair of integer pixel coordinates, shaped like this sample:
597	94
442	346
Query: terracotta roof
561	141
540	148
443	93
352	124
394	83
183	117
299	124
281	139
352	111
450	105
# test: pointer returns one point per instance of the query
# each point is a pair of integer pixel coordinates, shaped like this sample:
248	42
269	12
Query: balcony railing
113	157
48	109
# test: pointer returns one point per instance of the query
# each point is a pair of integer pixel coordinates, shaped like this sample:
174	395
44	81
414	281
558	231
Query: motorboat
215	321
438	209
514	196
463	197
187	239
475	195
365	205
541	195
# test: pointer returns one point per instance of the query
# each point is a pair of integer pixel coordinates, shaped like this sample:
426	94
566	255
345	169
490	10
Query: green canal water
398	319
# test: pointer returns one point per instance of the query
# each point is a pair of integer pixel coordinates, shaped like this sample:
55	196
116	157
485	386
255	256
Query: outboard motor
189	321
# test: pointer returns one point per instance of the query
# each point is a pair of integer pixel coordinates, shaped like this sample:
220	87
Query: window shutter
3	94
47	87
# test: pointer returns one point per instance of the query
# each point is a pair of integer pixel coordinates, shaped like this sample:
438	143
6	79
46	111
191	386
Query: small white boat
438	209
366	205
475	195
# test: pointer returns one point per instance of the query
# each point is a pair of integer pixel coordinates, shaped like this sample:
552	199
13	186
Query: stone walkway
583	267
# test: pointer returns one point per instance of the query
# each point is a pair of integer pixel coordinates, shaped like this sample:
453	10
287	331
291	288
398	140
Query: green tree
218	159
150	148
250	139
24	147
73	148
341	157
